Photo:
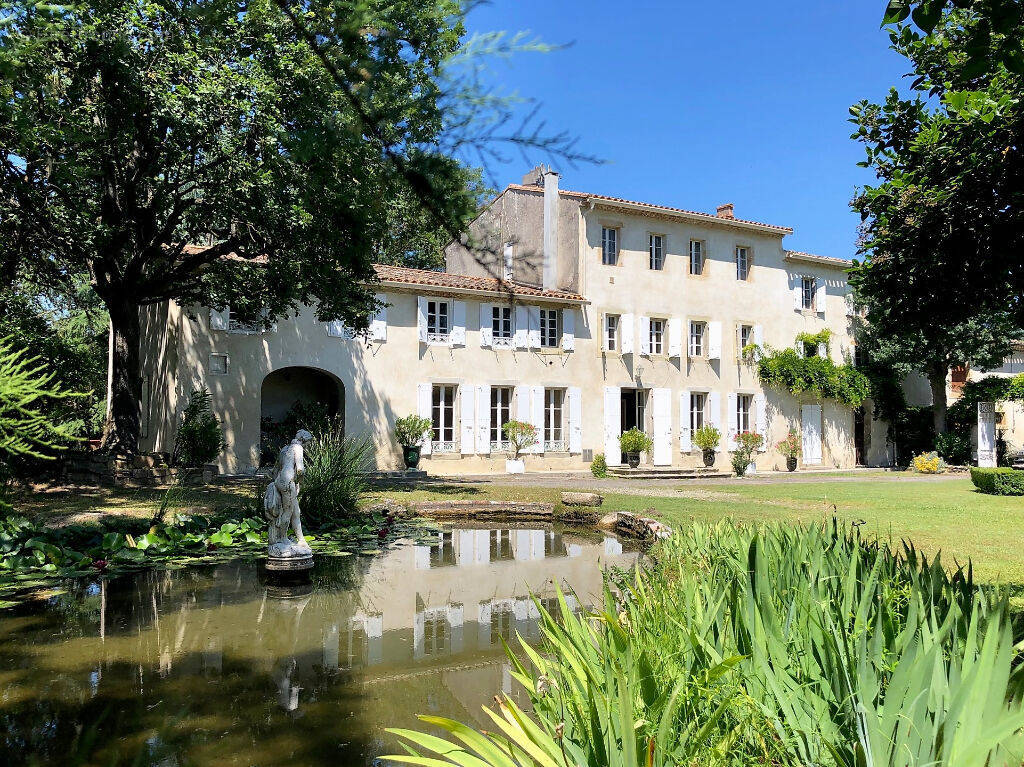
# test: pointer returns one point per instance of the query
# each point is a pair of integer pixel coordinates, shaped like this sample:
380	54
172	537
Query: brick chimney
725	211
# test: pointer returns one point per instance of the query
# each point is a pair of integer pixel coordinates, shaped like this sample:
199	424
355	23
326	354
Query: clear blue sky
696	104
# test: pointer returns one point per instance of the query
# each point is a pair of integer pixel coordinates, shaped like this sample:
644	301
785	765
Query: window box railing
503	342
555	446
441	339
502	446
444	446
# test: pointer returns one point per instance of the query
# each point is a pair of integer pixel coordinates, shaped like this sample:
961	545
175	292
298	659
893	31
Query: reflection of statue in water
281	503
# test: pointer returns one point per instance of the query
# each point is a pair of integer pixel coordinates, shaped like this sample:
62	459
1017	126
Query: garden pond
213	665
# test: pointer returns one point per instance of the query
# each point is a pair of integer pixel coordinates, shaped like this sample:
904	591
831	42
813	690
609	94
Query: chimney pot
725	211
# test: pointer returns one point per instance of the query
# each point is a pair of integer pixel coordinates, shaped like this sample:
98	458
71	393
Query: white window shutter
715	340
575	420
457	337
486	315
533	312
612	425
522	334
675	337
421	317
733	425
379	323
626	333
820	296
759	335
661	418
568	330
336	329
219	319
761	416
715	414
423	393
685	435
467	420
483	419
645	335
537	416
823	350
798	291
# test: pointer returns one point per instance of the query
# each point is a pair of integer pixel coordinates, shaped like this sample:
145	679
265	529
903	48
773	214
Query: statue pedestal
289	564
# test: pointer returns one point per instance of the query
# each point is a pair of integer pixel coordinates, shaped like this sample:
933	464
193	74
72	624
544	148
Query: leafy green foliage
599	466
520	435
412	429
954	448
635	441
792	445
785	370
707	437
747	443
311	415
199	438
335	477
764	645
998	481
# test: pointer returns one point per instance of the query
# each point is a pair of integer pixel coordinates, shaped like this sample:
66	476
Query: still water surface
213	666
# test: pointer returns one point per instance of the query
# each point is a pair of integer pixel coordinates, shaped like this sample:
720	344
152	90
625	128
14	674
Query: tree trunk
937	381
124	395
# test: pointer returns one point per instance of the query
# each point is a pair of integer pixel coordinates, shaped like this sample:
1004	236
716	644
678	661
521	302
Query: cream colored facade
551	242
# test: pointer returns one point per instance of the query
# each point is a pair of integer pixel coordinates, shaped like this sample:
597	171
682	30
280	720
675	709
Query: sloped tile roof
445	280
798	255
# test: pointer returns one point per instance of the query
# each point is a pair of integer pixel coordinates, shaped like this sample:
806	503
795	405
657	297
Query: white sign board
987	434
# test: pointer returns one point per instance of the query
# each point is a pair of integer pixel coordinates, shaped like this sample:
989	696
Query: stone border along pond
36	560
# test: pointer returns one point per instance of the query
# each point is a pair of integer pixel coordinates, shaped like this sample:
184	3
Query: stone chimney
725	211
549	181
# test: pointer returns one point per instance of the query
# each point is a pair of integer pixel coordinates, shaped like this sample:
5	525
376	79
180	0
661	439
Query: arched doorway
295	398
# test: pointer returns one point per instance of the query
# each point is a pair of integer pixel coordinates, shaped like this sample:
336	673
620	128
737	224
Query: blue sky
696	104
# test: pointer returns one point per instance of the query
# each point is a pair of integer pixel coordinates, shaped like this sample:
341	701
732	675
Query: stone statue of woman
281	503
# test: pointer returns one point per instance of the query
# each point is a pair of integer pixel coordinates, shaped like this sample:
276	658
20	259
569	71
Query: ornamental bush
707	437
791	446
520	436
599	467
199	439
1001	481
928	463
411	430
955	448
635	441
787	371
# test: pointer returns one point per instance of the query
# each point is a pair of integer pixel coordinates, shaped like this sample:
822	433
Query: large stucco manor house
599	315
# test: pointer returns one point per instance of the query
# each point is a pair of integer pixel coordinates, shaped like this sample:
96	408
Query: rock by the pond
609	521
387	506
641	527
582	499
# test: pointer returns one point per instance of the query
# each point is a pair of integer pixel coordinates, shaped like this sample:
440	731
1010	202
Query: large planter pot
709	457
791	463
633	459
751	469
411	456
515	466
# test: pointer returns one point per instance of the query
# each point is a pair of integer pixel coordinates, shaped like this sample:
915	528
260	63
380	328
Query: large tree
942	230
216	152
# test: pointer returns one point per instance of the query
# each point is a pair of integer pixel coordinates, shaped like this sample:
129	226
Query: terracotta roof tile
445	280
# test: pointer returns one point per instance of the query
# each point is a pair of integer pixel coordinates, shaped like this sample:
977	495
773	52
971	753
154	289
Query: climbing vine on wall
790	371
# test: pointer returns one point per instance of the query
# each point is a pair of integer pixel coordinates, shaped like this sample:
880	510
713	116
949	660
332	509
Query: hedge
1001	481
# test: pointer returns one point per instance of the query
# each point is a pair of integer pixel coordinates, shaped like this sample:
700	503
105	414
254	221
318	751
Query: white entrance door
811	417
612	425
661	418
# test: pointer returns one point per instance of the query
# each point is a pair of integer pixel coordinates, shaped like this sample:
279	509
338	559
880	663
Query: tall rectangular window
698	404
438	326
502	325
808	288
742	263
554	434
501	545
656	249
550	327
657	338
609	246
611	332
436	632
744	337
501	414
442	418
743	402
697	332
696	257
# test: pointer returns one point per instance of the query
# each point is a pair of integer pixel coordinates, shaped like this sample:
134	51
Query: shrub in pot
707	438
791	448
410	433
520	435
747	443
633	443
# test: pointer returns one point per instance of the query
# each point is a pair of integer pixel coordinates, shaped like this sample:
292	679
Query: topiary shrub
1001	481
599	466
199	439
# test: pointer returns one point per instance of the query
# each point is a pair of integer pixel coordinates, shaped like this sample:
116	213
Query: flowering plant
790	447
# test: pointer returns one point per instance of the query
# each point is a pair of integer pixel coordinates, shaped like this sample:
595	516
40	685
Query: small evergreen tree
199	439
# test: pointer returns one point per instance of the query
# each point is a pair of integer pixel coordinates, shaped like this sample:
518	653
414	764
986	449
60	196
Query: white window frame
227	365
612	324
656	252
500	414
656	335
609	245
698	415
743	339
808	293
554	421
697	257
550	328
742	263
697	343
744	410
503	326
444	431
435	335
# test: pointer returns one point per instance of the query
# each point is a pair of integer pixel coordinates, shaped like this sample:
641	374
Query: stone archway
292	398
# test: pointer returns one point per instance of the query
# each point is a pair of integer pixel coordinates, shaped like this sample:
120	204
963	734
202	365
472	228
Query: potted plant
410	433
520	435
747	443
707	438
632	443
790	447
